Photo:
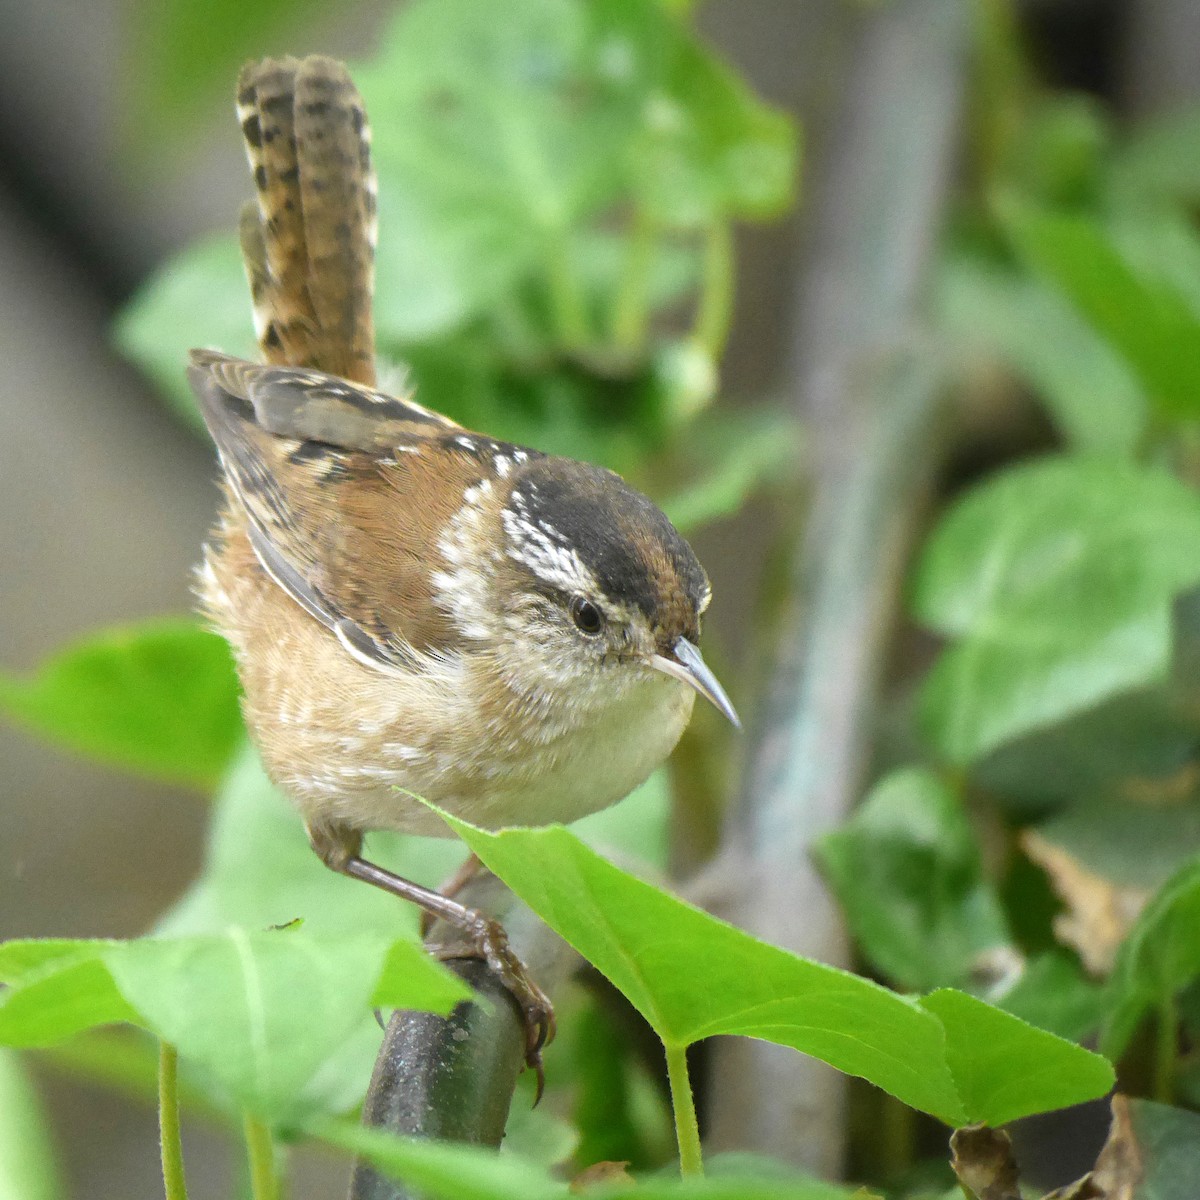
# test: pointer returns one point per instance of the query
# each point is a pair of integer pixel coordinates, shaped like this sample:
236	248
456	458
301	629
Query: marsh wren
417	610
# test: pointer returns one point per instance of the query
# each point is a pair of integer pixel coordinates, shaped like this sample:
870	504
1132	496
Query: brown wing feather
318	509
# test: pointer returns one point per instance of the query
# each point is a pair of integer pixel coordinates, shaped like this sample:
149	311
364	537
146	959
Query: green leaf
260	1013
28	1169
199	298
1056	580
1146	319
445	1170
1008	1069
692	976
450	1171
1162	245
158	698
497	142
1159	957
74	992
1090	390
260	870
907	872
705	148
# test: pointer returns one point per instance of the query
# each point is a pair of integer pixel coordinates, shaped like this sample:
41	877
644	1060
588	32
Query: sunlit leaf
692	976
260	1013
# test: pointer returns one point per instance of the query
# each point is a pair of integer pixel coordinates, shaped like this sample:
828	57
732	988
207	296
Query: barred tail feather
309	240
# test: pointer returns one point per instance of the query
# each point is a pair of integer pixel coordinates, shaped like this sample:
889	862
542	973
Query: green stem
631	308
264	1183
1166	1050
174	1184
566	296
687	1130
716	289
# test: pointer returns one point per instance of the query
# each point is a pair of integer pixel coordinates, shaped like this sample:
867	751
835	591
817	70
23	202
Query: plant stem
264	1183
1166	1050
629	312
174	1184
716	289
687	1129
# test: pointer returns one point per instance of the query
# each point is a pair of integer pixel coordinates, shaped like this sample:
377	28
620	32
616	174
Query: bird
417	611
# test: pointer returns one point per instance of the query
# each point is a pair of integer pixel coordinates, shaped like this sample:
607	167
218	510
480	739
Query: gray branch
453	1077
870	391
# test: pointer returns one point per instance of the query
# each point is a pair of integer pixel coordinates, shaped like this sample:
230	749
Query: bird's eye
586	615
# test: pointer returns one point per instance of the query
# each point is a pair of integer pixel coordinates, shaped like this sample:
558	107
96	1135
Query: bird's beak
686	665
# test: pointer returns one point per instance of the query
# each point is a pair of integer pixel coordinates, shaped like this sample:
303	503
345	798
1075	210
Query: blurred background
118	148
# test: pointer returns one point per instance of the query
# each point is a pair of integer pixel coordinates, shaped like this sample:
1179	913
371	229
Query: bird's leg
468	869
338	847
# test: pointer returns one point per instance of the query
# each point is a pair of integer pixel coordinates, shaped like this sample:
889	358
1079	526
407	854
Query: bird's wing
331	476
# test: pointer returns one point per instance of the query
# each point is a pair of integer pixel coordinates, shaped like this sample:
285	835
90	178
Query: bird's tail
308	241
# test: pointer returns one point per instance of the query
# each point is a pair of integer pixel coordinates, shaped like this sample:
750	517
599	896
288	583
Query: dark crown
622	538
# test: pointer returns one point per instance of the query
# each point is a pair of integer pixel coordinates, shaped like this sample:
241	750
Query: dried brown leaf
1099	912
1119	1167
983	1160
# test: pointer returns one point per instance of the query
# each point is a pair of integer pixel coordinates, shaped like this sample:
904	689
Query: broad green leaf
692	976
28	1169
491	139
199	298
497	141
1008	1069
445	1170
73	993
259	869
1055	580
1146	319
450	1171
261	1014
907	872
158	698
1159	957
1090	390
